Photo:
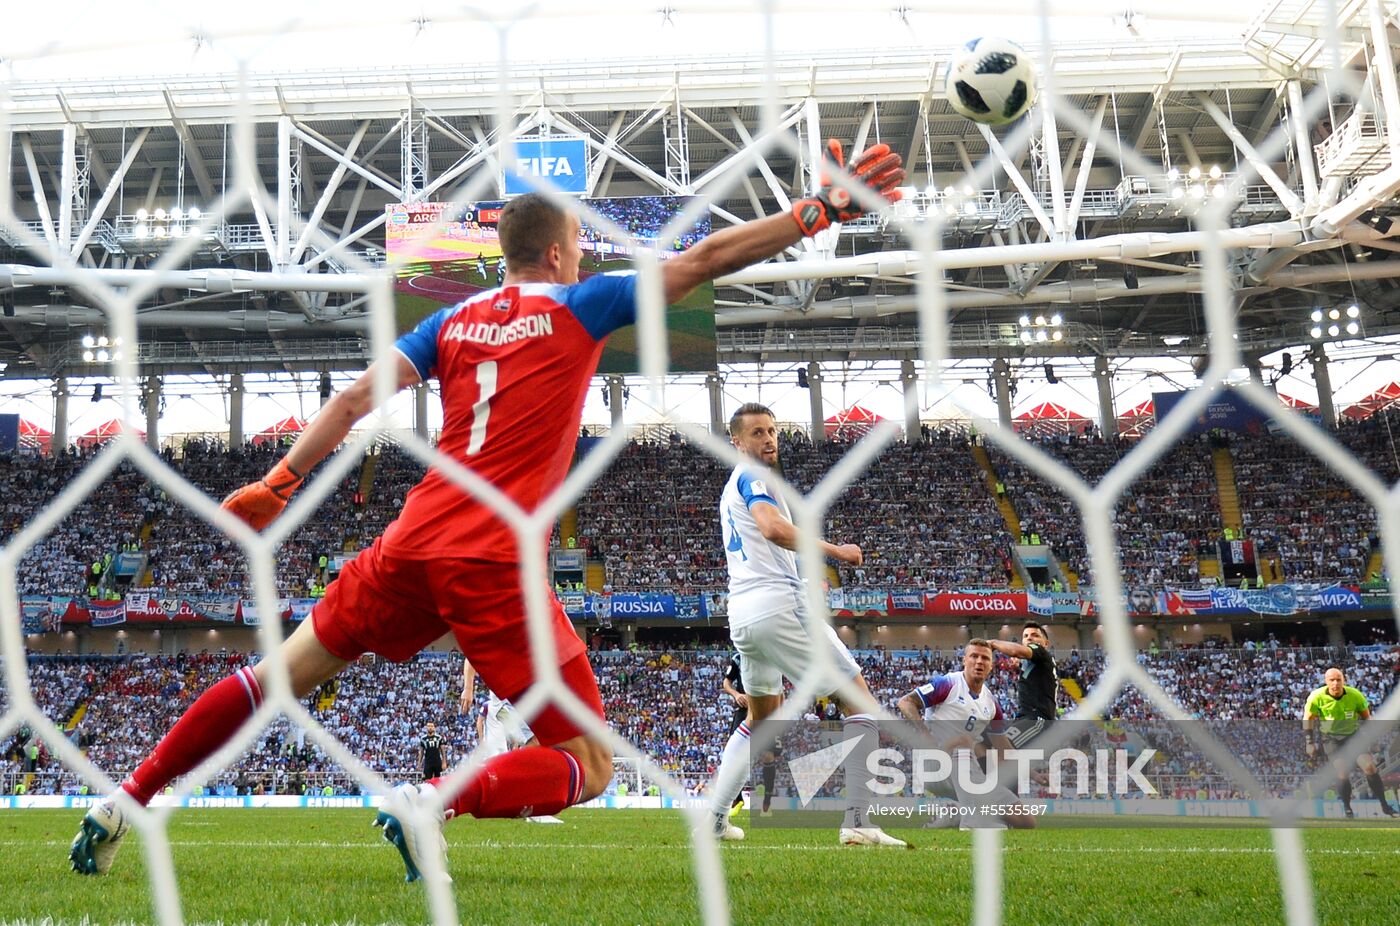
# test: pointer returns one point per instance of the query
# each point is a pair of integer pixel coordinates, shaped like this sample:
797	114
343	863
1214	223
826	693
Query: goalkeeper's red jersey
514	365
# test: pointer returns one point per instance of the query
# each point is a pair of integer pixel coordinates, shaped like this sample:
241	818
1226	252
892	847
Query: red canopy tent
1138	420
103	433
1378	401
1049	418
1290	402
33	437
291	425
852	423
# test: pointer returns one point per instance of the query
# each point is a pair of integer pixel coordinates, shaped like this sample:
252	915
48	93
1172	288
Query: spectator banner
867	601
717	604
569	560
42	613
300	608
630	604
575	603
142	606
836	599
1041	604
1141	602
907	602
107	613
690	607
1276	600
9	433
562	160
217	609
1066	602
1224	411
987	604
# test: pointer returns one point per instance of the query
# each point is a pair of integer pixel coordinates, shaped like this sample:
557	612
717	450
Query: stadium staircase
568	526
367	474
1227	495
1375	565
72	723
1226	490
594	576
1003	503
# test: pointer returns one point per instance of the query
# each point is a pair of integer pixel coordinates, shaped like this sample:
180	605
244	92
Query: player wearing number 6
960	710
514	364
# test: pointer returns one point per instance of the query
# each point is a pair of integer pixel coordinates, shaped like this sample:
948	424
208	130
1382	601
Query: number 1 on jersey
481	411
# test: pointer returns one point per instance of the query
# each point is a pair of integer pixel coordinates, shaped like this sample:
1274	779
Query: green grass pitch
330	866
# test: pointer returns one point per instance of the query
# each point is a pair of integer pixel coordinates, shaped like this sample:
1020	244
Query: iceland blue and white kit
766	605
951	709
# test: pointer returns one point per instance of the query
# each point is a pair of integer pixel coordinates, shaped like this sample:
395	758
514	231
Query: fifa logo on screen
545	166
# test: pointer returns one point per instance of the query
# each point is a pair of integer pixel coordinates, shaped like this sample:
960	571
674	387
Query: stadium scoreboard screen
451	252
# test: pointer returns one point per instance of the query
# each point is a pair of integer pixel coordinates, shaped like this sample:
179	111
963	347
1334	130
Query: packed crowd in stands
1160	521
1301	512
923	514
667	701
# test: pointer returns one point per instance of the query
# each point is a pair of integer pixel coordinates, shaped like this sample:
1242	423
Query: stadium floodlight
1333	330
103	356
1334	314
142	215
1173	175
143	231
1215	172
1316	332
1024	321
1056	320
1353	328
102	341
1040	321
1353	311
160	231
1194	173
1219	191
89	341
160	214
88	356
1177	192
1025	336
176	214
1041	335
1057	335
1317	315
194	213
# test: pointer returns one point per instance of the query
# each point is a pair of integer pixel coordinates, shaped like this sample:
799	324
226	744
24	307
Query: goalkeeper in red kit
514	365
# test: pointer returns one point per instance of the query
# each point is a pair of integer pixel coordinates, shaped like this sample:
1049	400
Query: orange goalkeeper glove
259	503
878	168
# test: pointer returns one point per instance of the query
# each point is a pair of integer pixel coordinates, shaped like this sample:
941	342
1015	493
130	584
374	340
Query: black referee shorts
1333	745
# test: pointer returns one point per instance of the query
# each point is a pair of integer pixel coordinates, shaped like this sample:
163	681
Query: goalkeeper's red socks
211	721
533	781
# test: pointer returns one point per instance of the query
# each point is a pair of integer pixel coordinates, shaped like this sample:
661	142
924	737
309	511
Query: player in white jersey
499	726
960	711
766	623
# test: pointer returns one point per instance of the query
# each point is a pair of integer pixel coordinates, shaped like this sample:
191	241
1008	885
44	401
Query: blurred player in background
1038	683
733	684
1331	717
499	727
514	365
766	608
430	752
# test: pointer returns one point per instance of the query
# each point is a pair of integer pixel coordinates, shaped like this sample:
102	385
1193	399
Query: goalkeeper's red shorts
395	607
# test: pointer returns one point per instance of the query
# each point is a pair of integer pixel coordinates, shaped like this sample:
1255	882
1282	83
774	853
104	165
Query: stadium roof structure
1054	218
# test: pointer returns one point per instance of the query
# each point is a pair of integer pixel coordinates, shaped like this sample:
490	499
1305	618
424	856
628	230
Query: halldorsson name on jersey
528	326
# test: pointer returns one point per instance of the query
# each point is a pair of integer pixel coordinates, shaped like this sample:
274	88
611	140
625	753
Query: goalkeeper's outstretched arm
259	503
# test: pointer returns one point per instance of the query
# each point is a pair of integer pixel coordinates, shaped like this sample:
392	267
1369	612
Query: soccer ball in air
991	81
